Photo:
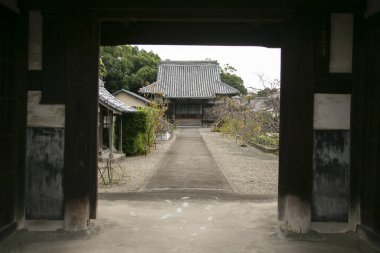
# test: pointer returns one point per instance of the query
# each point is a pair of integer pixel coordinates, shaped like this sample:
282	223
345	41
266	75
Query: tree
102	69
255	119
271	86
265	92
127	67
229	77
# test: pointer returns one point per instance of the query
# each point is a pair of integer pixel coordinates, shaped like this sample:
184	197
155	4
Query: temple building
188	87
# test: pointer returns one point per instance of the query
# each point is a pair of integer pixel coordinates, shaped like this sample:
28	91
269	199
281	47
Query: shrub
137	139
266	140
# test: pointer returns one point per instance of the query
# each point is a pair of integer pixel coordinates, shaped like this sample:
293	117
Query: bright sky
248	61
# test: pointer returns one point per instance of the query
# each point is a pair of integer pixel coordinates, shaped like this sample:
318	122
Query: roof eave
109	107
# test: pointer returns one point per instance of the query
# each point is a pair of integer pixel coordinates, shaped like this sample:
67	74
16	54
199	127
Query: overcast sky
248	61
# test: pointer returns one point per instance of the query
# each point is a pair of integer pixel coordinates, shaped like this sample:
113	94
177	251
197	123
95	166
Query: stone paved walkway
188	165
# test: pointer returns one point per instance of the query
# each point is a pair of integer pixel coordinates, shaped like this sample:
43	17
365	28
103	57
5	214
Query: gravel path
136	170
247	169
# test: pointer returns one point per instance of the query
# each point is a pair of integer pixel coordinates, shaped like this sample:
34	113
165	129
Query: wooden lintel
268	5
333	84
114	33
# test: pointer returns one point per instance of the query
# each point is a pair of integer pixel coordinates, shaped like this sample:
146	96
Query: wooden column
365	122
110	134
296	128
100	130
121	134
80	175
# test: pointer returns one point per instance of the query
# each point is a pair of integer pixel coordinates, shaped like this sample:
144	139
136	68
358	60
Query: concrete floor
182	224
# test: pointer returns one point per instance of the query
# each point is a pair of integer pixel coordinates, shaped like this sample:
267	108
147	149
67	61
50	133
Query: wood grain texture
13	67
268	5
53	58
296	129
35	41
185	33
80	184
365	122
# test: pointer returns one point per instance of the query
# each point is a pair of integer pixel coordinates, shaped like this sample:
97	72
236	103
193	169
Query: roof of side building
107	100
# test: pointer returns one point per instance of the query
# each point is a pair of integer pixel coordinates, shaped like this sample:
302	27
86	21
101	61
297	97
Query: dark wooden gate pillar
80	175
296	131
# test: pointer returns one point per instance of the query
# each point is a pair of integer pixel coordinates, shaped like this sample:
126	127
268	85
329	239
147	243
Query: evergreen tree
127	67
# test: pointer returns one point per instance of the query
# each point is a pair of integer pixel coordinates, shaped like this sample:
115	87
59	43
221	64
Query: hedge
136	137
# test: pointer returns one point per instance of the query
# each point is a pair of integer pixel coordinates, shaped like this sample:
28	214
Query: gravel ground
136	170
247	169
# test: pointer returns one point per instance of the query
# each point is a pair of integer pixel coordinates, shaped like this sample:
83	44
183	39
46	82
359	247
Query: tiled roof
133	95
106	99
189	79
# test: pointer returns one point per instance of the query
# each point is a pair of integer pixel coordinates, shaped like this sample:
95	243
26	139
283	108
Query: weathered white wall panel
43	115
373	7
342	27
332	111
35	40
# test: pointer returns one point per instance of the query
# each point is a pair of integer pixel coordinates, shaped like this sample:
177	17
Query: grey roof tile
108	100
189	79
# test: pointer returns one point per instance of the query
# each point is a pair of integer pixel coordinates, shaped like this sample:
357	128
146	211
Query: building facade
188	87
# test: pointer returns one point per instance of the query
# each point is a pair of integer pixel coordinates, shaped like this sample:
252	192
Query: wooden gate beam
153	7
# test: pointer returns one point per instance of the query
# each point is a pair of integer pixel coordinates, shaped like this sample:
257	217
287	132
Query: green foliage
157	118
229	77
127	67
137	139
266	92
102	69
266	140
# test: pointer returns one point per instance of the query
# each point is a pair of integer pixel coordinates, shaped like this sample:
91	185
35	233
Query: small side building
109	108
132	99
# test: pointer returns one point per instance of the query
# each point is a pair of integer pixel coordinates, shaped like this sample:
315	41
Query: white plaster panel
35	41
44	115
342	28
11	4
373	7
332	111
